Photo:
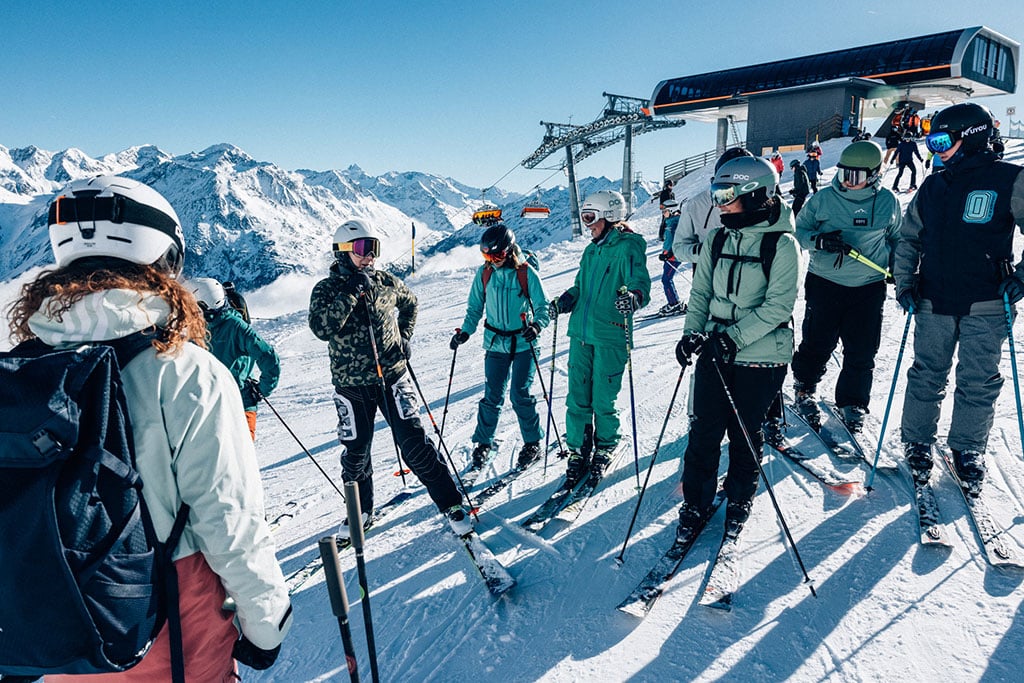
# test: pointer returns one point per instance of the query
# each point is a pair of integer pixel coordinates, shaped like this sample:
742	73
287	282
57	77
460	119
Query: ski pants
497	368
834	312
667	273
357	412
978	382
899	174
595	378
753	389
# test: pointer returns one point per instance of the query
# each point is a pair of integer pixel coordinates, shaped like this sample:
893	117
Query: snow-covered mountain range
251	221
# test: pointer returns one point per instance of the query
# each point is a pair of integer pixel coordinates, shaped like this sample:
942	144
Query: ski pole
448	393
857	256
544	390
632	396
444	448
620	558
339	601
355	528
383	385
304	449
715	361
1013	363
888	403
551	383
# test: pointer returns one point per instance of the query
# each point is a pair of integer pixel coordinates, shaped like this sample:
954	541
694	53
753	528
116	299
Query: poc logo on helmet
740	176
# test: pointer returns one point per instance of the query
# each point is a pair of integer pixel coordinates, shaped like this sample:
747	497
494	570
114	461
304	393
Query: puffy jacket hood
100	316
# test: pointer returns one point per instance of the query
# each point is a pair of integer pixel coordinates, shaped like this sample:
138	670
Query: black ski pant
357	411
834	312
899	174
753	389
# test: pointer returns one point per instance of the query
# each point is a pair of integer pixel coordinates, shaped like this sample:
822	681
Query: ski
932	531
659	316
639	602
997	551
493	572
842	441
818	466
505	480
583	494
470	476
724	580
574	497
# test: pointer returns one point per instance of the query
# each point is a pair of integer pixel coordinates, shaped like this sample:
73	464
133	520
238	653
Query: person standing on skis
844	297
739	324
612	283
953	270
367	317
515	315
670	216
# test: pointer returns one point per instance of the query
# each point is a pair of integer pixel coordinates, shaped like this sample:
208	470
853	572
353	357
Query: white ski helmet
116	217
208	292
351	230
606	204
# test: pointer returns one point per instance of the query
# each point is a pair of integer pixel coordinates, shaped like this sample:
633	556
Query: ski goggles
855	176
589	217
942	141
494	256
364	246
722	194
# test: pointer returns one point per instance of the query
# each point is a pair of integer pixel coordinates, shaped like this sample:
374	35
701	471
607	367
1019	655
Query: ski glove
832	242
666	255
459	337
563	304
627	302
1013	288
251	393
907	299
358	283
689	346
254	657
531	332
723	346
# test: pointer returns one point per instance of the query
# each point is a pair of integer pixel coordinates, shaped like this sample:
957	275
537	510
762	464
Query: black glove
251	393
927	162
627	302
907	299
690	345
723	345
531	332
406	348
563	304
1013	288
254	657
666	255
831	242
459	337
358	283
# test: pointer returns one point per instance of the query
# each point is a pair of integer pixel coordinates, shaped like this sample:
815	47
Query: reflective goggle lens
494	256
939	142
855	176
722	194
588	217
364	246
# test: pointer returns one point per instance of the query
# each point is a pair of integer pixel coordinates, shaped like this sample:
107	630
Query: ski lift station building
788	103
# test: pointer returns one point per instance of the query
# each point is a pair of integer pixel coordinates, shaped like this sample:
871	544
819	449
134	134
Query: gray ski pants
936	337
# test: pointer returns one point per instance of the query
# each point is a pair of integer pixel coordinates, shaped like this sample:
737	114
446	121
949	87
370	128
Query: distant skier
514	318
953	268
367	315
236	300
615	258
844	297
738	321
813	168
801	186
905	153
670	216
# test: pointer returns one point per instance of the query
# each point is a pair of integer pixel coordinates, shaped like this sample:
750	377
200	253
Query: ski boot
970	469
807	406
853	418
528	453
480	454
575	468
345	534
772	430
601	460
736	515
691	518
919	458
459	520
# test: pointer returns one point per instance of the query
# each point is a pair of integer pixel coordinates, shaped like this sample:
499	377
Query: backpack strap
769	245
523	273
172	594
485	277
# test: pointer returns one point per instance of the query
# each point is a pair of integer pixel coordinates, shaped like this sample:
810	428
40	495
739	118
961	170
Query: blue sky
452	88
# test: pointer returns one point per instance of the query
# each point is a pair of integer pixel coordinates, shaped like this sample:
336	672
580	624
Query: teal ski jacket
502	305
237	346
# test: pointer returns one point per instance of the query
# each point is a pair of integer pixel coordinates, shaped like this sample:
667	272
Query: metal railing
683	167
830	128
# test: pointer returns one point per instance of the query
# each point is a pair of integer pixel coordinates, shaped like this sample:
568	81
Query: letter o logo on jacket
980	206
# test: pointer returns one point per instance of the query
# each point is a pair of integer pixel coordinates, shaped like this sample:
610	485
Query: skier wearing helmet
615	259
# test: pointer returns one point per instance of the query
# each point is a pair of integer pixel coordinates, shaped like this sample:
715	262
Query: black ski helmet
729	155
497	239
969	122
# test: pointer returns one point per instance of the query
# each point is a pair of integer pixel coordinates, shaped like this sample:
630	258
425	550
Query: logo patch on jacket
980	206
860	222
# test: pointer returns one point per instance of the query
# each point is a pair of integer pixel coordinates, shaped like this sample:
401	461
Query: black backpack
86	585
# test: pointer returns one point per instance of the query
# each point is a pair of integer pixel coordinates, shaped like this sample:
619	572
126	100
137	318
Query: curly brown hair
61	288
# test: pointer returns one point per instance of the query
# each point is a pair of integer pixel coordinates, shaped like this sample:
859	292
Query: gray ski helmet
746	176
969	122
729	155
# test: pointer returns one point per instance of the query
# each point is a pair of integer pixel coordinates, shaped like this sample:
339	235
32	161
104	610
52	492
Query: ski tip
850	488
